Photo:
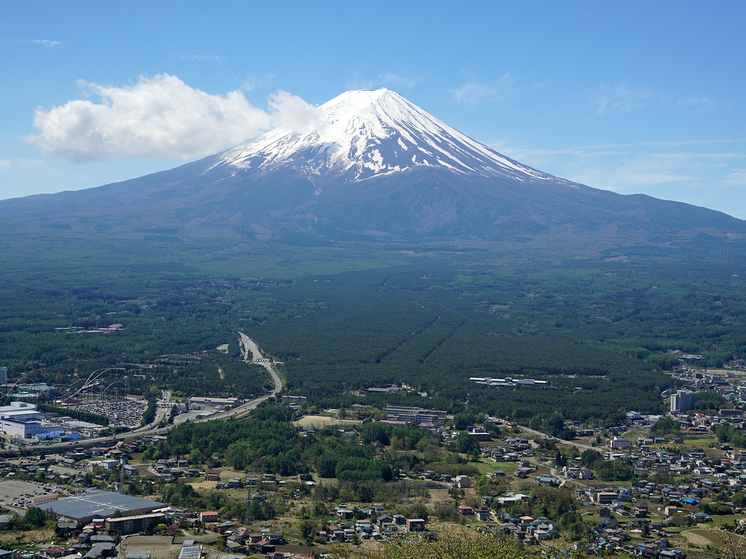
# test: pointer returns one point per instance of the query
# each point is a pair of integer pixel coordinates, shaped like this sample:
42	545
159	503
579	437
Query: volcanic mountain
372	164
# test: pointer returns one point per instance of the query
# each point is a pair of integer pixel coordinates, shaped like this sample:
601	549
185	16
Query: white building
620	443
21	420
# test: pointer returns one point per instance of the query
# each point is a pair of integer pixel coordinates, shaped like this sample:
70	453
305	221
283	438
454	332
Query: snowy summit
369	133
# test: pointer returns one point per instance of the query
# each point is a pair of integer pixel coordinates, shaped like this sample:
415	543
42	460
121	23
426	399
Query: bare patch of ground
28	536
157	547
204	485
702	538
322	421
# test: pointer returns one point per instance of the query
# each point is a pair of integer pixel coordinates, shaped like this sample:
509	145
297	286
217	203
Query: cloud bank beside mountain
160	117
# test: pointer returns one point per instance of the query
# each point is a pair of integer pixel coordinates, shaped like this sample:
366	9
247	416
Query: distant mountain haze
373	165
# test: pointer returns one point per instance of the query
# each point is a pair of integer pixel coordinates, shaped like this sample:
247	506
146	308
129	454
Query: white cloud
292	113
202	57
395	81
254	81
4	163
473	92
47	43
44	42
400	80
620	98
736	178
695	101
159	117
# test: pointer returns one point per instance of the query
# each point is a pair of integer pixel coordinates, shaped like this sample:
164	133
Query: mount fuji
370	164
366	134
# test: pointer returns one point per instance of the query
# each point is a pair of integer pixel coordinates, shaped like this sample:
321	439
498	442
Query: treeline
728	434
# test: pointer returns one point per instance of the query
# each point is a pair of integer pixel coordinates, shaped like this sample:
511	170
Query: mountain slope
372	163
365	134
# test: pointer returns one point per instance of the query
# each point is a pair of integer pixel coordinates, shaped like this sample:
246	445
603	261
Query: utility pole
248	505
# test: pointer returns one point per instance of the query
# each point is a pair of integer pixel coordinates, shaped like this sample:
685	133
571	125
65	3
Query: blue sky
634	97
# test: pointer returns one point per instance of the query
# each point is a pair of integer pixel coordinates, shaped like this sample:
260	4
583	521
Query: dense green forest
601	331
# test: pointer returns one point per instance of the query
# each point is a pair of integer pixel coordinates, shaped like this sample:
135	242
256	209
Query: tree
465	444
462	420
35	517
307	531
590	457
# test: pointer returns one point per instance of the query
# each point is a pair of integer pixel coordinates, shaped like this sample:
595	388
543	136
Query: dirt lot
208	485
323	421
157	547
29	536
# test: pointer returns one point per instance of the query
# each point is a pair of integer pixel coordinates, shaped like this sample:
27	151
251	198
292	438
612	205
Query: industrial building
21	420
95	503
415	415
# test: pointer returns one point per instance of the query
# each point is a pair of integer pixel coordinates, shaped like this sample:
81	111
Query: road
560	441
249	347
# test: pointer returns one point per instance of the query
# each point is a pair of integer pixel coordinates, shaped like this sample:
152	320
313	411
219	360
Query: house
240	535
545	480
605	497
483	514
343	512
463	482
384	519
465	511
208	516
415	525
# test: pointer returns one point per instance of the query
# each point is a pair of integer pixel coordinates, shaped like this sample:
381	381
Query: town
656	486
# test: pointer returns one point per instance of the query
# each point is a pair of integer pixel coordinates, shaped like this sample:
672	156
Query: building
95	503
682	401
620	443
605	497
21	420
415	525
133	524
418	416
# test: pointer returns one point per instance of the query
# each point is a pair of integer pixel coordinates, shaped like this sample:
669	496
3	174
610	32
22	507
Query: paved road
249	346
561	441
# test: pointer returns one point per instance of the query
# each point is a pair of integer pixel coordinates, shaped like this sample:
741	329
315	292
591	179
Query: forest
602	331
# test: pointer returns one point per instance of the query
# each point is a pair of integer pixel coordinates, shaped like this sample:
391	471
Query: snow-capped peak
367	133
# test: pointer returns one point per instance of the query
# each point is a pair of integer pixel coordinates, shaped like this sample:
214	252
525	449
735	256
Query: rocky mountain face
373	165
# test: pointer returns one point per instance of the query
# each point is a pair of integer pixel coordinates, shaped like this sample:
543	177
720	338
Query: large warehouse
100	504
20	420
